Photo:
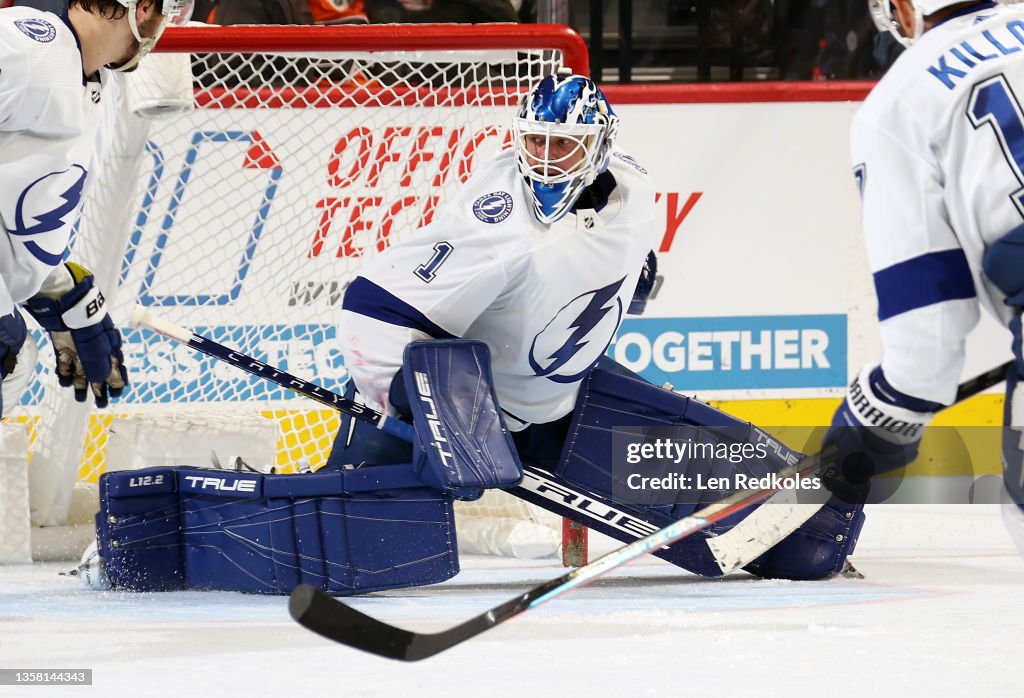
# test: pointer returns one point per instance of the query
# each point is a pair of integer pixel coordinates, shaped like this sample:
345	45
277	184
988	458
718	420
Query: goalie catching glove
85	341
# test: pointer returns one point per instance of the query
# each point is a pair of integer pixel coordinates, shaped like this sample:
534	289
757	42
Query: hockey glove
85	341
12	337
877	429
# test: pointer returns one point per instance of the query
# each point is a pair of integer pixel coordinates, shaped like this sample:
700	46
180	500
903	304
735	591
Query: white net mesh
245	216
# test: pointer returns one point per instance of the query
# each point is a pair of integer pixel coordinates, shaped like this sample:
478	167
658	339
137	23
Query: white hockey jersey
938	151
48	118
547	300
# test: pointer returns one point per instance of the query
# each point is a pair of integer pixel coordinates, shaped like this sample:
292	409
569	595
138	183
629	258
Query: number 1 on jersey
427	272
993	102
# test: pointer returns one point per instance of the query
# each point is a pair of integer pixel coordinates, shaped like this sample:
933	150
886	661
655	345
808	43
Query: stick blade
336	620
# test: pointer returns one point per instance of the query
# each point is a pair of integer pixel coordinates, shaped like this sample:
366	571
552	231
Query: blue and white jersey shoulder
48	118
547	300
938	152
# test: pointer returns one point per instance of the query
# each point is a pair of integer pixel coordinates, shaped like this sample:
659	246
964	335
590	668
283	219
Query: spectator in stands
834	41
363	11
457	11
289	12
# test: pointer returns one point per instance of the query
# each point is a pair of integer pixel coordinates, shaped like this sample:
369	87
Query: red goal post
248	174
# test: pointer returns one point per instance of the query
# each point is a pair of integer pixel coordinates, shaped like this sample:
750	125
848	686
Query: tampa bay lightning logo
493	208
628	159
38	29
46	205
578	335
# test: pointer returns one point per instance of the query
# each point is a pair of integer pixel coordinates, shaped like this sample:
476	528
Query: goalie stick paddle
338	621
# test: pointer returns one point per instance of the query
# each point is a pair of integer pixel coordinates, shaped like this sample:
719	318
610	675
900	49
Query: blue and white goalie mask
563	135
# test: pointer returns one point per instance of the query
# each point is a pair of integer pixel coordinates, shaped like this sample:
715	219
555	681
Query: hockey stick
141	317
763	529
982	382
336	620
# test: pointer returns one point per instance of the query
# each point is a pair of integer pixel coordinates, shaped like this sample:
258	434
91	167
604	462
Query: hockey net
282	159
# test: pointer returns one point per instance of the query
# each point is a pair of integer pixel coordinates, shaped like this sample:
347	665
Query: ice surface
940	613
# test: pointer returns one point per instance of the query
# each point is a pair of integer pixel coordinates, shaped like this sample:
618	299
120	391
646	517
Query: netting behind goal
293	156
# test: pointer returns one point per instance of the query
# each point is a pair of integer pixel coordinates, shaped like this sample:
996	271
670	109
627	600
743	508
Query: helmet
881	12
563	135
176	12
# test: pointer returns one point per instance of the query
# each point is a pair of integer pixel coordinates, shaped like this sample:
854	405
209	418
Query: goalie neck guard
564	131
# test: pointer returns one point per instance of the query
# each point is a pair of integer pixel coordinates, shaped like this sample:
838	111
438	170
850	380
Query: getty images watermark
710	450
684	464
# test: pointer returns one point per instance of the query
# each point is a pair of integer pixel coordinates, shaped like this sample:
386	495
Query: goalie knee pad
345	532
358	442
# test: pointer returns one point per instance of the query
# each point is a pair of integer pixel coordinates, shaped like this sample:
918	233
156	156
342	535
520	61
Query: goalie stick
141	317
757	533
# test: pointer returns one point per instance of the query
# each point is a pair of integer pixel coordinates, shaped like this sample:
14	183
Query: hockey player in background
54	73
938	153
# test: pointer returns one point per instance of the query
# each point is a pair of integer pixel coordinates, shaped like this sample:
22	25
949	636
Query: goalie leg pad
816	550
614	405
138	529
345	532
462	441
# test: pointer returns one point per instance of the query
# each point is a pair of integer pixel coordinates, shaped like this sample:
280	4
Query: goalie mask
176	12
885	19
563	134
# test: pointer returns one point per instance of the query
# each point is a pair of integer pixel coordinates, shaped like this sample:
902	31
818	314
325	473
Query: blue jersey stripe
367	298
931	278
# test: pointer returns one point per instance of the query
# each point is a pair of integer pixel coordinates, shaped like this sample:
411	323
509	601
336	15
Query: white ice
940	613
